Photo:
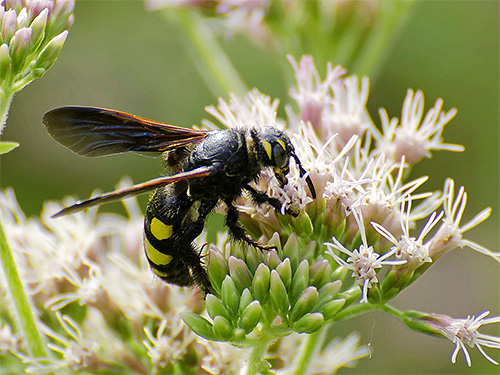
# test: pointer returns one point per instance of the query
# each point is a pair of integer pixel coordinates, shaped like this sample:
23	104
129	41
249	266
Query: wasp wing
90	131
134	190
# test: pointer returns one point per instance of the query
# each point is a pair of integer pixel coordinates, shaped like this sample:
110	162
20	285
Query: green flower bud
303	225
38	29
239	334
300	280
49	54
198	325
331	308
19	48
251	316
320	273
328	292
291	250
284	269
230	296
215	307
272	259
279	296
240	274
261	282
253	257
305	303
4	62
217	268
309	323
222	328
245	299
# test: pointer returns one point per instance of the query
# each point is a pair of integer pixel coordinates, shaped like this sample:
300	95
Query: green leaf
6	146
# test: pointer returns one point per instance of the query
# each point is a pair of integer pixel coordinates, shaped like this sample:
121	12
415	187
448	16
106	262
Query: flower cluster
31	37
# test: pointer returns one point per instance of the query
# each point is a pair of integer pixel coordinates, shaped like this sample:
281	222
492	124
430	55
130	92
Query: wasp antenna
310	184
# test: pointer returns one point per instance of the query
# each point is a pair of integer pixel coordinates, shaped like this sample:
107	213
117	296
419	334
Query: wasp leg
238	232
260	197
192	258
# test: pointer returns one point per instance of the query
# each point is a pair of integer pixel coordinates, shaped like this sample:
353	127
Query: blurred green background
120	56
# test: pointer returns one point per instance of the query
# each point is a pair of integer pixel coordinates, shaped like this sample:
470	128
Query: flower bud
331	308
278	294
22	18
251	316
328	292
291	249
309	323
300	280
38	29
303	225
272	259
240	274
305	303
284	269
217	268
5	63
230	296
49	54
9	25
245	299
261	282
222	328
215	307
198	325
320	273
19	48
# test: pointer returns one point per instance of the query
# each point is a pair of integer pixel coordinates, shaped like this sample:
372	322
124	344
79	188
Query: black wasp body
207	167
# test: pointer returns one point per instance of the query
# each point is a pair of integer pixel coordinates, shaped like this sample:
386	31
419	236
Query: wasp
208	167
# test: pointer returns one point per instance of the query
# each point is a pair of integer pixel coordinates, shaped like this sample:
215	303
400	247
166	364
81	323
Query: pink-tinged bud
38	29
22	18
9	25
38	8
19	48
49	54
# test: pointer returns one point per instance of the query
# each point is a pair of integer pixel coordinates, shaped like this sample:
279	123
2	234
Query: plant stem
23	312
256	364
210	59
6	97
311	346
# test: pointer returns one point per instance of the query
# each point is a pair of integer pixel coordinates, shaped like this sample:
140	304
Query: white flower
363	262
410	248
464	332
450	233
414	138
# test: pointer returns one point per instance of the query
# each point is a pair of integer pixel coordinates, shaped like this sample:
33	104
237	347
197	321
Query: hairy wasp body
209	167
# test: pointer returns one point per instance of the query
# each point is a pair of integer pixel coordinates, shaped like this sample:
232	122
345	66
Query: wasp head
274	150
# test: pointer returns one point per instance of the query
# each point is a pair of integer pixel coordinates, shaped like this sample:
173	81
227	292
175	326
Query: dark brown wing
90	131
134	190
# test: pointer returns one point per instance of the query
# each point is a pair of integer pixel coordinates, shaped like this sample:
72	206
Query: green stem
256	363
6	97
394	17
210	59
311	346
23	311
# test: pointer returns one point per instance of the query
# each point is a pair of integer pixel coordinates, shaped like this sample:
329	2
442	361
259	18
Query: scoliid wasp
208	167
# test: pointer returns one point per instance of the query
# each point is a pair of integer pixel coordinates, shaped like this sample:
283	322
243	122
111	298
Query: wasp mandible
209	166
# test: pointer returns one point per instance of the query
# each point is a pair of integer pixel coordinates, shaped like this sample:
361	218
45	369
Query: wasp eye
280	158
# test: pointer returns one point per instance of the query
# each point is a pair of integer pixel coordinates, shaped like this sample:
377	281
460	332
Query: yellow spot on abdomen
159	230
156	256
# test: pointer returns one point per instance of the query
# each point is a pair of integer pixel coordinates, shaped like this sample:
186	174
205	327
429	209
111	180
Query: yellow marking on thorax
283	146
159	230
268	148
156	256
